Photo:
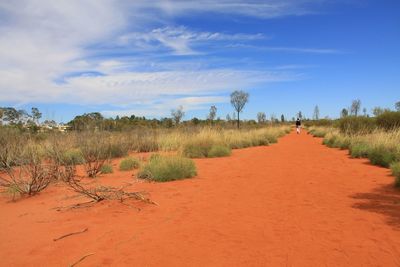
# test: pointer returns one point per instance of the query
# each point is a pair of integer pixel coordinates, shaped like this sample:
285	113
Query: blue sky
148	57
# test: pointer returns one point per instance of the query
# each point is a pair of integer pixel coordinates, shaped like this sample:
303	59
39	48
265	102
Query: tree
36	115
261	117
273	118
300	115
213	113
344	113
365	112
238	101
355	107
177	115
228	117
282	118
378	111
316	113
397	106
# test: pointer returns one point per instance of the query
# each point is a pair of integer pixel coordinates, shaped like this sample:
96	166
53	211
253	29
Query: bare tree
355	107
177	114
316	113
261	117
238	101
213	113
365	112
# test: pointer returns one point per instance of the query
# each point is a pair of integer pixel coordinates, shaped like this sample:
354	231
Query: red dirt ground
296	203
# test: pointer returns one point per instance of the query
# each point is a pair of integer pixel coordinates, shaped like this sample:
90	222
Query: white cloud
41	41
253	8
180	39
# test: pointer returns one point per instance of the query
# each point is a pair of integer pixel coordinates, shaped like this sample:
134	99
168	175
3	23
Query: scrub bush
129	164
168	168
219	151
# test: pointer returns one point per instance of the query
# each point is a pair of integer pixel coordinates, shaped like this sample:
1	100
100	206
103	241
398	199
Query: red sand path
296	203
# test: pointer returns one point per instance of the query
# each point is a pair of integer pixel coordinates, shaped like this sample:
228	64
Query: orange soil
296	203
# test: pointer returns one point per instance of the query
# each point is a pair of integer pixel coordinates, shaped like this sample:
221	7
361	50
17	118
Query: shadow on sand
384	200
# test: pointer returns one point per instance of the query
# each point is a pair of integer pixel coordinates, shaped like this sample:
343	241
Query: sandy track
296	203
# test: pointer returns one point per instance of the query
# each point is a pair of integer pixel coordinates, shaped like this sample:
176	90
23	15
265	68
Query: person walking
298	125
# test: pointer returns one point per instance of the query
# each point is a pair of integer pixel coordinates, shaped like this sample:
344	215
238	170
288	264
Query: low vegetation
129	164
30	162
380	145
167	168
106	168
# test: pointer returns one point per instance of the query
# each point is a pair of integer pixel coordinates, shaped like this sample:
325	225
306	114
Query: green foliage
106	168
168	168
219	151
359	150
318	132
129	164
382	156
355	125
389	120
197	149
73	157
118	149
395	167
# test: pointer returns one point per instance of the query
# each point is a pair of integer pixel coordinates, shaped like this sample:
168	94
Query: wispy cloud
284	49
180	39
253	8
65	51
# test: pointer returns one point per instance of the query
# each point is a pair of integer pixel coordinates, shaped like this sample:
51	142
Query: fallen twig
74	233
81	259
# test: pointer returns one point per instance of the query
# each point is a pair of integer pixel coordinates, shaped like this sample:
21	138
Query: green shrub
73	157
168	168
382	156
395	167
106	168
389	120
270	139
318	132
355	125
196	149
129	164
219	151
329	141
118	149
359	150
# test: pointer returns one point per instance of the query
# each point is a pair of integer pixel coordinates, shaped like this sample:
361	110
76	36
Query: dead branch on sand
73	233
81	259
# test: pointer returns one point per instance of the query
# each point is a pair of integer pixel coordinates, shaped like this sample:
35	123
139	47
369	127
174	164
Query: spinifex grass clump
73	157
168	168
106	168
395	167
382	156
129	164
219	151
197	148
359	150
